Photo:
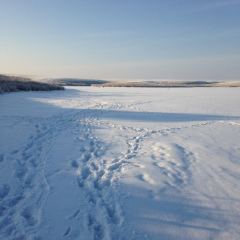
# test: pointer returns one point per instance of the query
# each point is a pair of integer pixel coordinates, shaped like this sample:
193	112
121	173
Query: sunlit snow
120	163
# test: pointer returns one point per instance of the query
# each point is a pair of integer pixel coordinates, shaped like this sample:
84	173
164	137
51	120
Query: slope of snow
120	163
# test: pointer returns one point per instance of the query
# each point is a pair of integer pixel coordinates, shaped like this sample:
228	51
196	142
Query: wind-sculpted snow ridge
98	163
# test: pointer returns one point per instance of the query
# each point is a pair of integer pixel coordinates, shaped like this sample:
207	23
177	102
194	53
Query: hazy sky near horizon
124	39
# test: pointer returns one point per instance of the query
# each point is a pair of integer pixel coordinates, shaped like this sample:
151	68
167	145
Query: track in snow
84	150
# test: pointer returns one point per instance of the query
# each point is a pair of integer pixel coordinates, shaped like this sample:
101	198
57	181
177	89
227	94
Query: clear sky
121	39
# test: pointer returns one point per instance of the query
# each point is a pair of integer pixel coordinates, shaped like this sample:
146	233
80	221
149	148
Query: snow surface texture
120	163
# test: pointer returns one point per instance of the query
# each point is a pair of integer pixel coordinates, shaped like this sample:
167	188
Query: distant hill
16	84
74	81
139	83
170	83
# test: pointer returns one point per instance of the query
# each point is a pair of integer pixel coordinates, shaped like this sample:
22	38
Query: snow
120	163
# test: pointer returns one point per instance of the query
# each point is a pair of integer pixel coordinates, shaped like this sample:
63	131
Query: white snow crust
120	163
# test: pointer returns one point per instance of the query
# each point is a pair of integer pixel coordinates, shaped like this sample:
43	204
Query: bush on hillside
16	84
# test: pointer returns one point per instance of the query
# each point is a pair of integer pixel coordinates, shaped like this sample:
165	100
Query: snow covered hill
120	163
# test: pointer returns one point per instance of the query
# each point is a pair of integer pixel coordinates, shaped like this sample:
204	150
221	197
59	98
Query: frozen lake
120	163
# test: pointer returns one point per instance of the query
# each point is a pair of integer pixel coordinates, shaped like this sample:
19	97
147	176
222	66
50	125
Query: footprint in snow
1	157
114	166
96	228
87	157
80	182
14	151
82	149
15	200
30	219
85	172
113	215
67	232
95	167
4	191
76	214
145	178
74	164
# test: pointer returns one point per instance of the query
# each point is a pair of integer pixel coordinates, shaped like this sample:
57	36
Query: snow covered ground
120	163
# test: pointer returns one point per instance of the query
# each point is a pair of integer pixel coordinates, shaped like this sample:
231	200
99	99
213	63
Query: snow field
117	163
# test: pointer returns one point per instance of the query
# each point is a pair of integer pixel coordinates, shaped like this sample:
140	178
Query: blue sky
120	39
